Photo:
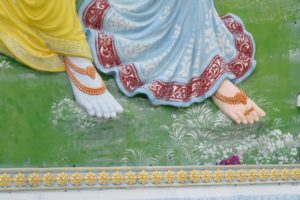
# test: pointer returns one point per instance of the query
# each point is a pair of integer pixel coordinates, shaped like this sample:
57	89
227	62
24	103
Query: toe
119	109
111	105
113	115
106	115
97	109
116	106
99	112
247	114
250	119
255	116
103	106
235	118
99	115
258	110
242	117
88	107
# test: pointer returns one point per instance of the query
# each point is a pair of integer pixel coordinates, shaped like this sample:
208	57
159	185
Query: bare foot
233	102
89	89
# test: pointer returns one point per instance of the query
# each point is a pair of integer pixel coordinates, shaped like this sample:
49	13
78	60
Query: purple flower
233	160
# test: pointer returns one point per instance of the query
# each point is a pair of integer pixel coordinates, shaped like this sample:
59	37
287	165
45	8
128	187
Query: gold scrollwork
68	178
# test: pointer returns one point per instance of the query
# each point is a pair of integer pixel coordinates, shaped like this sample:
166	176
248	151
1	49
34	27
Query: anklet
83	88
89	71
248	111
239	98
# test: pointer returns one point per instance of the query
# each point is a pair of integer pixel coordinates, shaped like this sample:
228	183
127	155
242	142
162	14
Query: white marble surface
147	194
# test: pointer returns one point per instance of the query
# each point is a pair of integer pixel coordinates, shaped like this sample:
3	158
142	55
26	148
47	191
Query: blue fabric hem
253	61
91	36
82	8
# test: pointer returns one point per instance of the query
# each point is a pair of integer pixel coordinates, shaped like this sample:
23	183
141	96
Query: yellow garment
39	32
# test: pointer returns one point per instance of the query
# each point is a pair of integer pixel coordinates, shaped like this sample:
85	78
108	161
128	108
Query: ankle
80	61
228	88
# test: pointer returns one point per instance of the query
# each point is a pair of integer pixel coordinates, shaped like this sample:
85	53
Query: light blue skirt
176	52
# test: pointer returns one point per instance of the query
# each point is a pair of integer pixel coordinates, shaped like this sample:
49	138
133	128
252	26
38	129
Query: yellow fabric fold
39	33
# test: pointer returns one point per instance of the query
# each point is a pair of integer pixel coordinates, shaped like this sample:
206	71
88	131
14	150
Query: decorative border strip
20	179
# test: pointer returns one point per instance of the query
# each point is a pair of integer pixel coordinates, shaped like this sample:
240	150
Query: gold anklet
83	88
248	111
89	71
239	98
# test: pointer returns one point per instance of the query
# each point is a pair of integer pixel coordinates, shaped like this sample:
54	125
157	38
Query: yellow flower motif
48	179
252	175
117	178
156	177
241	175
229	175
130	178
103	178
76	179
34	180
90	178
274	174
194	176
169	177
206	176
62	179
181	176
264	175
20	180
295	174
218	176
143	177
285	174
5	180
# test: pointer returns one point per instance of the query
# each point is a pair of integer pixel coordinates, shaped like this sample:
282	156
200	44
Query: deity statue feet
233	102
89	89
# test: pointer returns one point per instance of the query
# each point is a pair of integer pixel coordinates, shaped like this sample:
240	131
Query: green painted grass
40	124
